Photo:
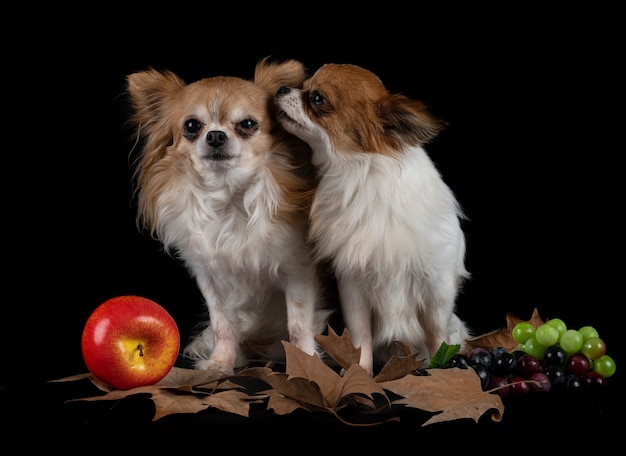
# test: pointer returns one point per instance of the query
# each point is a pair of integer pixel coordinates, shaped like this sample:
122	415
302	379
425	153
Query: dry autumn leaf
503	337
451	393
311	384
182	391
338	348
346	354
398	367
168	402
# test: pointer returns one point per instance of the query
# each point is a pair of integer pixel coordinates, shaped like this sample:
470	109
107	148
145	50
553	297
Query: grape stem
510	384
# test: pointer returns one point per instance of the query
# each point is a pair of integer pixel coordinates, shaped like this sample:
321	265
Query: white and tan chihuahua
226	189
382	213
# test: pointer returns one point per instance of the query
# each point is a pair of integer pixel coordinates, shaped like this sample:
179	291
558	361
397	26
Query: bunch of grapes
550	357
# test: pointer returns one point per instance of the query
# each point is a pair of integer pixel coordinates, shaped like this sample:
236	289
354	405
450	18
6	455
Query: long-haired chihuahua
382	213
227	190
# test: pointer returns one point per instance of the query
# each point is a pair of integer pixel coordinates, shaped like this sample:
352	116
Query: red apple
130	341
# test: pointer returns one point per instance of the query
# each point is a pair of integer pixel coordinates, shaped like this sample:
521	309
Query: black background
534	100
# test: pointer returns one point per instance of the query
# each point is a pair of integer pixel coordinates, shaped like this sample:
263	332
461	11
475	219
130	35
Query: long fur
227	191
382	213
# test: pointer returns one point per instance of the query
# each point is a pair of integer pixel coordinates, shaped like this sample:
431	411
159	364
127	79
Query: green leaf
443	355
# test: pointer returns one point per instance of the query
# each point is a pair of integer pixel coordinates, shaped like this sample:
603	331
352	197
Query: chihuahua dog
227	190
382	214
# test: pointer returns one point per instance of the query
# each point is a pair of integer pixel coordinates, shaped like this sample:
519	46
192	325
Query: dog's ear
270	75
149	92
409	120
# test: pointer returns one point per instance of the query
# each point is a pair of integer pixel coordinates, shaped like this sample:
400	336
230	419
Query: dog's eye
191	128
248	124
316	98
247	127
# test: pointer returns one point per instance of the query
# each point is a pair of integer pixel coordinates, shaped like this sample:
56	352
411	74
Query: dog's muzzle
216	141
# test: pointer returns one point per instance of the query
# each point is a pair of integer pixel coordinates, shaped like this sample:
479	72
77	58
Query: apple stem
140	348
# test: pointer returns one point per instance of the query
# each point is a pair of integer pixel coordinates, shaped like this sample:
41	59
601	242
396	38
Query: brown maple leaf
451	393
502	337
334	387
177	377
297	392
398	367
181	391
311	384
338	348
342	350
168	401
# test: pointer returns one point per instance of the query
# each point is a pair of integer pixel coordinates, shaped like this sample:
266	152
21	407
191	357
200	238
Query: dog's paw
207	364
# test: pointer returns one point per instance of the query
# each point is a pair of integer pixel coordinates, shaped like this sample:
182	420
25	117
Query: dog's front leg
223	329
357	315
302	295
224	354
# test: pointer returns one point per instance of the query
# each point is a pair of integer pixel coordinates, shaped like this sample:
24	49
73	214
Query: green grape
534	348
558	324
547	335
523	331
604	365
571	341
588	331
593	348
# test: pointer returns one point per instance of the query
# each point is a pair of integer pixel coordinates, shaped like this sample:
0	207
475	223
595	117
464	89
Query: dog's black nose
283	90
216	138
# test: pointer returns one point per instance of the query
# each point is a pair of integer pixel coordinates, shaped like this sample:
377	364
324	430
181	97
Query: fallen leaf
302	392
338	348
181	391
334	387
451	393
310	384
503	337
342	350
179	377
115	395
97	382
398	367
169	402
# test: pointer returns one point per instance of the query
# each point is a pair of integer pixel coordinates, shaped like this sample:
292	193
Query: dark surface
531	153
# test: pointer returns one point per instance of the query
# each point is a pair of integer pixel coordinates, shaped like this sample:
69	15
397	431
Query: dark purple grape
500	386
594	382
519	387
554	356
577	364
483	374
555	374
572	384
503	364
480	355
458	360
496	351
527	365
540	384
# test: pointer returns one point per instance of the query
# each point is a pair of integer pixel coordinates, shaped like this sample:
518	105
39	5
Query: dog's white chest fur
376	211
226	232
